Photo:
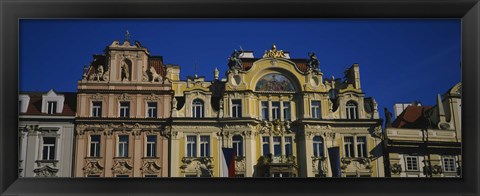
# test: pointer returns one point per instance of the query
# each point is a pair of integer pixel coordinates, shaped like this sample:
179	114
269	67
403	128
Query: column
250	154
109	152
137	155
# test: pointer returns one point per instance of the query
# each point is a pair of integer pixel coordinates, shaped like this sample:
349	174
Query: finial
215	73
127	36
274	47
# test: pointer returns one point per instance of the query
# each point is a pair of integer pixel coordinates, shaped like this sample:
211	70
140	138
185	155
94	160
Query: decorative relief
46	171
240	165
396	168
124	97
274	53
122	166
97	97
201	166
152	97
150	166
319	165
350	164
275	128
93	167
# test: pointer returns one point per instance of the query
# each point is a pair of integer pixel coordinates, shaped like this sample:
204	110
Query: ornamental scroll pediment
93	167
150	167
122	166
46	171
274	53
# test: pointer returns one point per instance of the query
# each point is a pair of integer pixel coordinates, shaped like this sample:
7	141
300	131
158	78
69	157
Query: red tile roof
35	104
157	63
411	117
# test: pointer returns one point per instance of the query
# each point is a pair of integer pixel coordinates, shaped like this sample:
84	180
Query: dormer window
352	110
23	101
197	108
51	107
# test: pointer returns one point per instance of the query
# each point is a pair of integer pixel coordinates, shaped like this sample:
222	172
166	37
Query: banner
228	162
334	156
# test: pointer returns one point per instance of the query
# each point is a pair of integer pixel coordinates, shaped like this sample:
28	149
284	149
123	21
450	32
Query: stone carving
201	166
274	53
124	97
169	133
275	128
356	163
155	75
313	62
234	61
216	73
396	168
150	167
122	166
319	165
436	169
97	97
93	167
45	171
240	165
125	72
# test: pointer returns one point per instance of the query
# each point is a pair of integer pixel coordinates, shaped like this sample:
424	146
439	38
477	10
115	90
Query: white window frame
450	168
276	113
350	148
126	109
268	144
238	144
236	108
315	109
96	110
318	145
287	113
414	164
124	144
152	111
361	148
49	148
277	143
191	146
264	110
97	146
151	146
286	143
52	107
206	146
350	107
198	104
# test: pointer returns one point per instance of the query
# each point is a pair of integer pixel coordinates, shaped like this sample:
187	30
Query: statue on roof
127	36
313	62
388	118
234	61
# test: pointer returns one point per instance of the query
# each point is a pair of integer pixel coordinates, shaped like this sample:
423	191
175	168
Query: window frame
206	151
198	104
238	145
287	112
236	108
351	148
264	110
125	108
53	108
361	152
318	146
96	151
417	165
124	144
151	146
454	166
149	113
96	110
316	109
193	144
50	147
275	109
351	106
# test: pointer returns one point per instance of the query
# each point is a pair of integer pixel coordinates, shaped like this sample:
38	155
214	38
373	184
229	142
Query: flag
334	156
228	162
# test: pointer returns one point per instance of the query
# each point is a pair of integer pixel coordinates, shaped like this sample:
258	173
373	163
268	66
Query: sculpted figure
313	61
234	61
155	75
125	71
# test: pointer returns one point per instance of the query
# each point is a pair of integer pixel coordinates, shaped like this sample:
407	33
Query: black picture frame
12	11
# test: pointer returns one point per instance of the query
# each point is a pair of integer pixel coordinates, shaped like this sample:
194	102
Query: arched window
237	141
318	146
197	108
352	110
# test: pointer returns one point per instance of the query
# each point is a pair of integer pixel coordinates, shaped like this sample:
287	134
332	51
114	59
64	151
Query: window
362	146
348	146
197	108
449	164
264	110
286	111
412	163
265	146
94	145
352	112
48	148
96	109
204	146
277	148
275	110
316	109
317	146
123	146
51	107
152	109
237	141
288	146
236	108
191	146
124	109
151	146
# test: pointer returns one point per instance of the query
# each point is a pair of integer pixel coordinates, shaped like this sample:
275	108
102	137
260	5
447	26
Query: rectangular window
318	146
449	164
51	107
362	147
265	146
94	145
151	146
96	109
152	109
123	146
277	146
125	109
275	110
264	110
288	146
204	146
316	109
48	148
236	108
286	111
238	145
412	163
191	146
348	146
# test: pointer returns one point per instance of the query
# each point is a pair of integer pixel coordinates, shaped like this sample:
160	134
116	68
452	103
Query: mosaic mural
274	82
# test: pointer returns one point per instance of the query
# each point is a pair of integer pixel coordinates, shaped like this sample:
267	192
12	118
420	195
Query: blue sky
400	60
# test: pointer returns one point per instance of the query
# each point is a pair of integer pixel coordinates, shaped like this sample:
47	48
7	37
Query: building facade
281	118
124	101
46	133
425	141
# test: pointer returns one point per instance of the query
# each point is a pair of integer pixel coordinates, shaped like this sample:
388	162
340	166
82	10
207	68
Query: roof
411	117
35	104
157	63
